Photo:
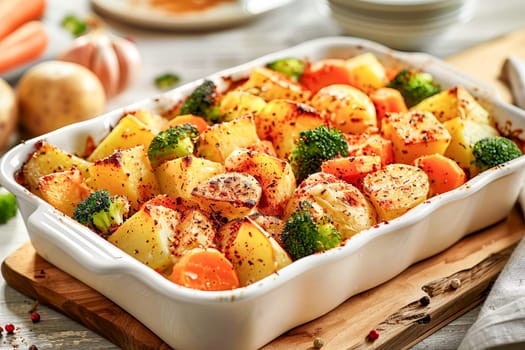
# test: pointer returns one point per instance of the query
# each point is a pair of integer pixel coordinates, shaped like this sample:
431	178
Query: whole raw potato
53	94
8	114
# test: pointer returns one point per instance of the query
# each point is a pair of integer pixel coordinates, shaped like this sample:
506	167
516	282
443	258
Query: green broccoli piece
292	67
414	85
175	142
306	232
315	146
166	81
102	212
203	102
8	206
491	151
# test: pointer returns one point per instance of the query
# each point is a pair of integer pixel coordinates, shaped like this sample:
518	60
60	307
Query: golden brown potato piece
281	122
127	173
271	85
129	132
346	107
64	190
47	159
455	102
415	134
349	209
395	189
228	195
275	176
219	140
253	253
147	235
178	177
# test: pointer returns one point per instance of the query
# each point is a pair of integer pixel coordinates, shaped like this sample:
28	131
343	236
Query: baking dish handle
88	249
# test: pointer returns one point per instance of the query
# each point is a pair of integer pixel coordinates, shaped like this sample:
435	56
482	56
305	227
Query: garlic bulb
114	60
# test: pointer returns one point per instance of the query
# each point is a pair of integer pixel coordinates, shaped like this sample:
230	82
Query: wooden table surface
194	55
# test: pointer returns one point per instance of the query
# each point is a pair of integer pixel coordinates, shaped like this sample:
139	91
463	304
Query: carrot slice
205	269
443	173
14	13
199	122
352	169
325	72
25	44
387	100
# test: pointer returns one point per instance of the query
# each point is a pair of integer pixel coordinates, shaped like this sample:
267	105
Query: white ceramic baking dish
249	317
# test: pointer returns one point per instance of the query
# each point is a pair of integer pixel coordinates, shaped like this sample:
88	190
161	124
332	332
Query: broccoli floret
292	67
203	102
414	85
491	151
175	142
102	212
306	232
315	146
8	206
166	81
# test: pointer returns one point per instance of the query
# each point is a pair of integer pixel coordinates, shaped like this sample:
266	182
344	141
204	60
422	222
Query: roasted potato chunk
465	133
147	235
218	141
349	209
395	189
64	190
415	134
253	253
367	73
275	176
281	122
47	159
271	85
178	177
129	132
240	103
127	173
455	102
346	107
195	230
228	195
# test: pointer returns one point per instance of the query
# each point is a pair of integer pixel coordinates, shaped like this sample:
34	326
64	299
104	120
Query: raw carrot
204	269
25	44
199	122
352	169
325	72
443	173
14	13
387	100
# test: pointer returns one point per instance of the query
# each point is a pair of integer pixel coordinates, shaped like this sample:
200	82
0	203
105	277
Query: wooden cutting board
397	309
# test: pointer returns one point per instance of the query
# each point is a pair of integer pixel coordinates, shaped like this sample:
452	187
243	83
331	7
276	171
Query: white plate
138	12
249	317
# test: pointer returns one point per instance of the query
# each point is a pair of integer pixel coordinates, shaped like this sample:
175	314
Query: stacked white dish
401	24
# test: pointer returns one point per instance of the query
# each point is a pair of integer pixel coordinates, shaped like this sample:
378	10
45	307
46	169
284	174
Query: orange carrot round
325	72
205	269
387	100
443	173
352	169
199	122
